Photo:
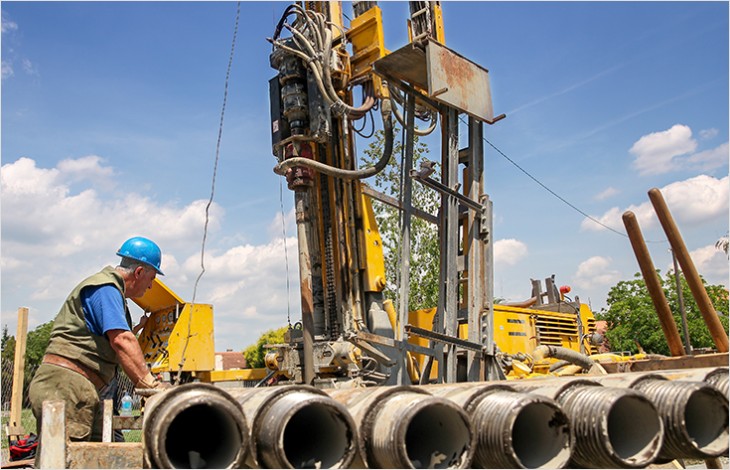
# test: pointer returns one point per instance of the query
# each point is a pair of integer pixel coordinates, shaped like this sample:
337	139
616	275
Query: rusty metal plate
448	77
407	64
458	82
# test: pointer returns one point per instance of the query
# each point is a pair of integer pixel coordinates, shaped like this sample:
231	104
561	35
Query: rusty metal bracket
423	333
440	187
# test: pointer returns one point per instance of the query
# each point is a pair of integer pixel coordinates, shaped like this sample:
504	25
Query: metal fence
27	420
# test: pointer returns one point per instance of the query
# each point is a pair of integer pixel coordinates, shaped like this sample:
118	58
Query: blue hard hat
143	250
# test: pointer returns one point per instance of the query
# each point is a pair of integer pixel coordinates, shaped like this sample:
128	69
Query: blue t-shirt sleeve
103	309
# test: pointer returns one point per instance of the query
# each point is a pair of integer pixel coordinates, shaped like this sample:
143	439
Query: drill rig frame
351	335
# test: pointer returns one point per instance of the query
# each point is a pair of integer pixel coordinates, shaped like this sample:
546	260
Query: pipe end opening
438	436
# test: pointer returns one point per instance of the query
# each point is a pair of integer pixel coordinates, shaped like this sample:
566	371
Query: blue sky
110	116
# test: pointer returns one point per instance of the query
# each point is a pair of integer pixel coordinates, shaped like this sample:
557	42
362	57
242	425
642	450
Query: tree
424	260
632	318
35	347
255	353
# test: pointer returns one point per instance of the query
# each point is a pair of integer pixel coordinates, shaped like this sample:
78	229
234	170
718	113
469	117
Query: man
92	333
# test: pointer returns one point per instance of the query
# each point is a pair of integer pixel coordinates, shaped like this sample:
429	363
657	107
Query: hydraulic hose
574	357
362	173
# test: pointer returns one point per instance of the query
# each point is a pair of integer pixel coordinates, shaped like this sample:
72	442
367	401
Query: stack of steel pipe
612	427
695	413
627	420
514	430
406	427
194	426
297	426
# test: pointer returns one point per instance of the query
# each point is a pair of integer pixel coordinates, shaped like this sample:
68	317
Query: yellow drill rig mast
350	333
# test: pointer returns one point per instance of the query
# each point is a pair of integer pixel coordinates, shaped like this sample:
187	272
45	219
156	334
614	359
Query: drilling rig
364	383
350	333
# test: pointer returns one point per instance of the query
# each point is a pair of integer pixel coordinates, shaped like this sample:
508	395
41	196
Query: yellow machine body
521	330
176	332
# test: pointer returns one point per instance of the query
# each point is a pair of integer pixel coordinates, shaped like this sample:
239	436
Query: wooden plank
27	463
106	427
53	435
105	455
16	401
681	362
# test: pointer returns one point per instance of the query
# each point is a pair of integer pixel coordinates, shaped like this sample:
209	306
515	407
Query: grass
27	420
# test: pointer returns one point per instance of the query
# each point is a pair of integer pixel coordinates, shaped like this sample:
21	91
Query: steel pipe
405	427
612	427
719	380
715	376
174	423
514	430
695	417
297	426
694	413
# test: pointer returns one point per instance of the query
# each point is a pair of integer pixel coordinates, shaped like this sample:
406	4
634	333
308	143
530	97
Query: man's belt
72	365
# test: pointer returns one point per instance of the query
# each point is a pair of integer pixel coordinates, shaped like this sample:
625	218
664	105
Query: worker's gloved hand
162	385
149	381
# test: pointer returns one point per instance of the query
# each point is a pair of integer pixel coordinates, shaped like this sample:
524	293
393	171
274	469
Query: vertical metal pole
304	238
653	285
405	251
719	336
448	295
493	370
475	247
16	400
682	310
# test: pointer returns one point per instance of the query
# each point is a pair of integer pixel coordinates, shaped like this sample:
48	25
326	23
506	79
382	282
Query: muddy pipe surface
194	426
695	416
709	315
405	427
514	429
297	426
612	427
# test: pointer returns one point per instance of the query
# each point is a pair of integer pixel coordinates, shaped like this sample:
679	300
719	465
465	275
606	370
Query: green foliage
424	262
632	318
35	348
255	353
36	345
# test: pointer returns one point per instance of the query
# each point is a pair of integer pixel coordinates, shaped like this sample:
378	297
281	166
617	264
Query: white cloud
276	229
692	201
7	69
711	263
509	252
655	152
55	234
596	272
606	194
30	68
8	25
709	159
708	133
43	219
